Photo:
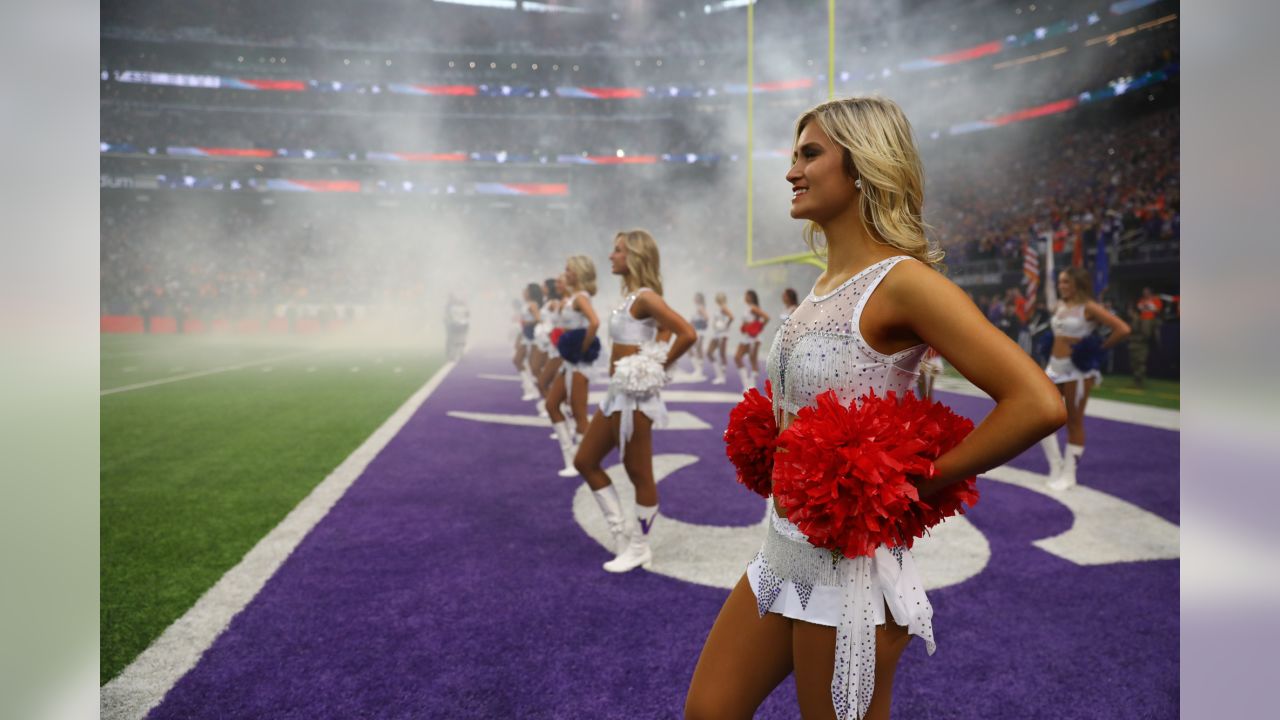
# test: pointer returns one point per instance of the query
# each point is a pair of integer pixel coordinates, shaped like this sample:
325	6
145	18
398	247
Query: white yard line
1156	417
141	686
202	373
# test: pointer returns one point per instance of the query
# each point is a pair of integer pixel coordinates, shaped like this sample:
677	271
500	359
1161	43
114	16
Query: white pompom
642	373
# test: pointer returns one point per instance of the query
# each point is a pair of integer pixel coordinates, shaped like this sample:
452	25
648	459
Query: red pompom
555	335
752	328
750	437
846	476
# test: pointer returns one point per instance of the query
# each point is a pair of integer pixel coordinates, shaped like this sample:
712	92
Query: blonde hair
584	273
879	149
642	262
721	298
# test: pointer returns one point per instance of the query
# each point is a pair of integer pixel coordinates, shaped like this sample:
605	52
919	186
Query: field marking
1148	415
202	373
142	685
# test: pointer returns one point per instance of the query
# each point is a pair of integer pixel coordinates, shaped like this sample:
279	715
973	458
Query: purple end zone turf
451	581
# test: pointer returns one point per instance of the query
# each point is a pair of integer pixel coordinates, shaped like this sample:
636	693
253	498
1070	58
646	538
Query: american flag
1030	269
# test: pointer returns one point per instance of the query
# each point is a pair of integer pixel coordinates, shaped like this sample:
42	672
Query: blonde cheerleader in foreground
529	315
1076	316
721	321
840	624
570	385
753	322
638	365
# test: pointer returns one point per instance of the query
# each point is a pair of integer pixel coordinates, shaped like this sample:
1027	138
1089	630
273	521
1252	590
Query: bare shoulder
912	283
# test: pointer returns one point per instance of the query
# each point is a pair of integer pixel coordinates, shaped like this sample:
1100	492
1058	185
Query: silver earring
858	183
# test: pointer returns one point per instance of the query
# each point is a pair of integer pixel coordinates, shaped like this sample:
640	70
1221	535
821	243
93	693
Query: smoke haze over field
391	254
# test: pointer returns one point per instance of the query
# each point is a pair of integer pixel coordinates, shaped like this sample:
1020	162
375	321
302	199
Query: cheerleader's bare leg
755	361
1075	399
549	373
579	402
600	438
564	435
537	360
813	656
638	461
744	658
518	360
743	374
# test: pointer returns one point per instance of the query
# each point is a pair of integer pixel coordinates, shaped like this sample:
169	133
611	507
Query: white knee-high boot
567	450
698	373
1070	460
527	385
637	552
718	369
611	508
1053	454
745	376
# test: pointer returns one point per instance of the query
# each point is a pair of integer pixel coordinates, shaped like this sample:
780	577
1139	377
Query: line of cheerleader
558	352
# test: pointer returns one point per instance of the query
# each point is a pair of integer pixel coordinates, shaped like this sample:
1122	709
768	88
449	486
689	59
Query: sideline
142	685
1150	416
202	373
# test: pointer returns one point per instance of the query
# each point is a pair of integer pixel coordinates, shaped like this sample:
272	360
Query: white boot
567	449
527	384
1067	478
698	373
541	405
754	376
718	369
1053	454
637	553
745	376
611	508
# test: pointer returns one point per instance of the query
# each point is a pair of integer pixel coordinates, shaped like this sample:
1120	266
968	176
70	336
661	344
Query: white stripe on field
202	373
1156	417
141	686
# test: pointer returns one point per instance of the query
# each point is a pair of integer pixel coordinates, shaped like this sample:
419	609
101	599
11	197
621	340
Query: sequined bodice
720	321
550	315
570	317
1070	321
820	347
624	329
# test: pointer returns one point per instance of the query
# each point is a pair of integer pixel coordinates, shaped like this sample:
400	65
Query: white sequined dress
818	348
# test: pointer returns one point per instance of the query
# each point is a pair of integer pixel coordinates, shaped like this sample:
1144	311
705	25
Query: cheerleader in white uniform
552	367
721	321
570	385
930	368
749	341
841	624
529	315
700	322
790	301
628	414
541	351
1076	315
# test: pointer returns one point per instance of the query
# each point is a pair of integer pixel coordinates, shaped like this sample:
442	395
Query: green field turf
1159	393
195	472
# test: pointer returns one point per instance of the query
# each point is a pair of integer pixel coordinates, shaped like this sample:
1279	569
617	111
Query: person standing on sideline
1146	331
457	319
